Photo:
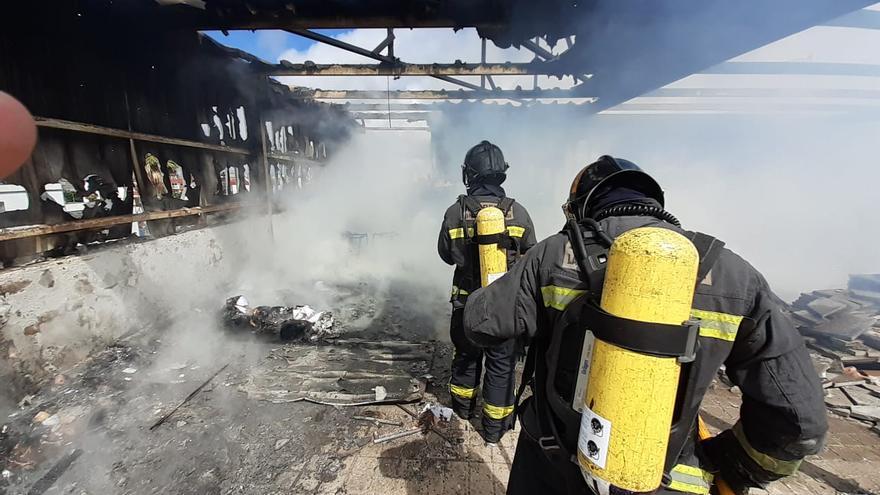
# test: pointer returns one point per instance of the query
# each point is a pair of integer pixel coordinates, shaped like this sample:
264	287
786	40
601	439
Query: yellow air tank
493	258
630	396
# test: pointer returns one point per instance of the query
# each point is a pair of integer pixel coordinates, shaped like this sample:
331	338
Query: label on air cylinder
491	277
593	437
583	377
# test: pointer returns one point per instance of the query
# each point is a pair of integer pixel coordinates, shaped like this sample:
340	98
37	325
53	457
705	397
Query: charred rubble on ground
842	331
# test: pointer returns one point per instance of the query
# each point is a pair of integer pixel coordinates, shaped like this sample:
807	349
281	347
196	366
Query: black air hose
638	210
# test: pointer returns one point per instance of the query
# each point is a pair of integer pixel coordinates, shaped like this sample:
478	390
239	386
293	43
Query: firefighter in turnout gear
551	297
483	172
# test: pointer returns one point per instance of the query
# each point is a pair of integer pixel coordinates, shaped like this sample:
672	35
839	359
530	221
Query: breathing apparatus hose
638	210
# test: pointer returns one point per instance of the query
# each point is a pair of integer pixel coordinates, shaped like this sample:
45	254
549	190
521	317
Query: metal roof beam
305	33
860	19
408	116
343	94
426	129
739	108
404	69
384	107
765	93
795	68
547	56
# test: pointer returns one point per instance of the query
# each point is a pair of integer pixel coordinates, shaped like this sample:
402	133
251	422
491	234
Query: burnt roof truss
391	66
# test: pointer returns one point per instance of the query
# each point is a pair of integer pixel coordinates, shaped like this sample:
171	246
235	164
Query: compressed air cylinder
493	258
630	397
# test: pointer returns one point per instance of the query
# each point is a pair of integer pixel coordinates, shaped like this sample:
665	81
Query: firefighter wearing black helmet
740	326
483	172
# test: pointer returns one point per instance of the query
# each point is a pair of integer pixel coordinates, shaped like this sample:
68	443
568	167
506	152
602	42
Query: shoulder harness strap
472	204
709	248
505	205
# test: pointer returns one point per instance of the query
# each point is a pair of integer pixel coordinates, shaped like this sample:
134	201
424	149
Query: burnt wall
75	64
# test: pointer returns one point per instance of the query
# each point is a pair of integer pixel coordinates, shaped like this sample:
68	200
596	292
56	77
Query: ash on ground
89	430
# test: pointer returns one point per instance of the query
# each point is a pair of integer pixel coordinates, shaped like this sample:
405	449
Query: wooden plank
11	233
139	136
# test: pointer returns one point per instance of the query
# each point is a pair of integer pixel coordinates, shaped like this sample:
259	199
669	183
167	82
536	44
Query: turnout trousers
498	382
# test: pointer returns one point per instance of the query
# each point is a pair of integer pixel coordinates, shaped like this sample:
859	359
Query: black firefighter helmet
484	163
608	172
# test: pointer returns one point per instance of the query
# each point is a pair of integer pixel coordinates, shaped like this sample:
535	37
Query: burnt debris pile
842	330
292	323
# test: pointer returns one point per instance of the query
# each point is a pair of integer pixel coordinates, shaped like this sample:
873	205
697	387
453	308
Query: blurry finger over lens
18	134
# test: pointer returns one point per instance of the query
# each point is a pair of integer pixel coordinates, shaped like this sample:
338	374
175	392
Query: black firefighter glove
734	465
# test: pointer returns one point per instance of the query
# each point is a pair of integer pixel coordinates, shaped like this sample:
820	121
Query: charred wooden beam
478	94
404	69
11	233
138	136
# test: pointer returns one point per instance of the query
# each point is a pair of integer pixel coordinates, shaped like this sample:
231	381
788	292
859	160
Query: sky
268	44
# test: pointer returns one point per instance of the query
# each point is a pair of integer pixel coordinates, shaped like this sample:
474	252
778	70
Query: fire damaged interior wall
73	64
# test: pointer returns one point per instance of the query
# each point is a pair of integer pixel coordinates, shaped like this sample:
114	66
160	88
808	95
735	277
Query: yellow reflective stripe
559	297
459	233
515	231
768	463
463	392
690	479
497	412
693	471
687	488
714	325
459	292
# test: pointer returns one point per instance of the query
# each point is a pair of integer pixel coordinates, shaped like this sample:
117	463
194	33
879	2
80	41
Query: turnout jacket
456	246
782	418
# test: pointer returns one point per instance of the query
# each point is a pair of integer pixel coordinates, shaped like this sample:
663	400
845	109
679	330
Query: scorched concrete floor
89	433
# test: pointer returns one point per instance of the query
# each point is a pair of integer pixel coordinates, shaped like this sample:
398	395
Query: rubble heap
842	330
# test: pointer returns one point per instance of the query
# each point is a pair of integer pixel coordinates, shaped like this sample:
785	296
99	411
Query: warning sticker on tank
491	277
583	372
593	437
